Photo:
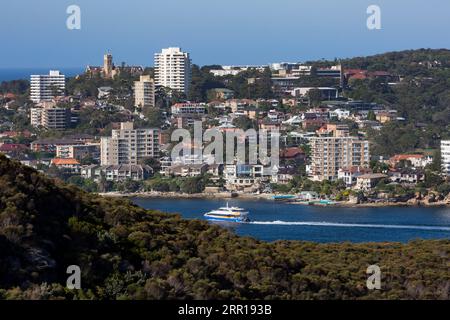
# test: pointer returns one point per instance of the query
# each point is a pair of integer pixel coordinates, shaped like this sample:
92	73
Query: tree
244	123
436	165
202	81
129	186
151	162
315	97
371	116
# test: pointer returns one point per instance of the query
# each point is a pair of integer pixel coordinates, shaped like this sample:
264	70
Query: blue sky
34	33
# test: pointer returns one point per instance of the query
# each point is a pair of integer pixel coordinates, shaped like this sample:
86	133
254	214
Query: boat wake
350	225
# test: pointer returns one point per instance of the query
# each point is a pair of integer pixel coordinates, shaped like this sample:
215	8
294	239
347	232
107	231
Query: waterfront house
407	175
368	181
117	173
186	170
308	195
243	177
283	175
350	174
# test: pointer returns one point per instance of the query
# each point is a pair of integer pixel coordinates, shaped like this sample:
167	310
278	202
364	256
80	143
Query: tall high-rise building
144	92
445	157
173	69
129	145
46	87
329	154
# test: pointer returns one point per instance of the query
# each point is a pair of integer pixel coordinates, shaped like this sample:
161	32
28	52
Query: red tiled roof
400	157
10	95
291	152
356	169
61	161
358	76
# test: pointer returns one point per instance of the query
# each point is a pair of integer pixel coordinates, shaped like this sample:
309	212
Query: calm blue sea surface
282	221
7	74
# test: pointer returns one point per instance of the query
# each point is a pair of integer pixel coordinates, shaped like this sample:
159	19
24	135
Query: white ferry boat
228	214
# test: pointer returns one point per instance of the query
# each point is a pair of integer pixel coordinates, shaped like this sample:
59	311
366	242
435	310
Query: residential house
221	94
407	176
69	164
283	175
186	170
117	173
367	182
50	145
243	177
416	160
79	152
13	149
293	154
350	174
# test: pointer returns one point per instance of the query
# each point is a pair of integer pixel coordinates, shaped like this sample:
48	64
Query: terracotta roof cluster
65	162
356	169
400	157
292	152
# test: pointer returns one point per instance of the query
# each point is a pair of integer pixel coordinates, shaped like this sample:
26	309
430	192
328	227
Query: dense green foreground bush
126	252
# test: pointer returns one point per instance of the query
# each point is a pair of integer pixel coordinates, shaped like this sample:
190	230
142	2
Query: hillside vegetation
126	252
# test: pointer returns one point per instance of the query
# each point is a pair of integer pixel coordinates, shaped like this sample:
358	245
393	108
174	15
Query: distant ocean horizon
8	74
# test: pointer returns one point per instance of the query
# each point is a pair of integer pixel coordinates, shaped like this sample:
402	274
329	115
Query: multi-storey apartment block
329	154
144	92
46	87
129	145
173	69
50	117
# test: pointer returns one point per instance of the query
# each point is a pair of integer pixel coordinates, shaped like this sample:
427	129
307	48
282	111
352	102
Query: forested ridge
126	252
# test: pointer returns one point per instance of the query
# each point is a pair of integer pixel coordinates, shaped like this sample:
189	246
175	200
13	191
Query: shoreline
266	196
176	195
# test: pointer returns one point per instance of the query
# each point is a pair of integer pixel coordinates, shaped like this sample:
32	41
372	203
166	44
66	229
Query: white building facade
173	69
45	87
445	157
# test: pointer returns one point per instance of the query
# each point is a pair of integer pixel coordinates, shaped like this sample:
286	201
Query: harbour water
283	221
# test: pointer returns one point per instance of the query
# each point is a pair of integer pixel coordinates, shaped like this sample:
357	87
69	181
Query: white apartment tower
445	157
144	92
173	69
46	87
129	145
329	154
